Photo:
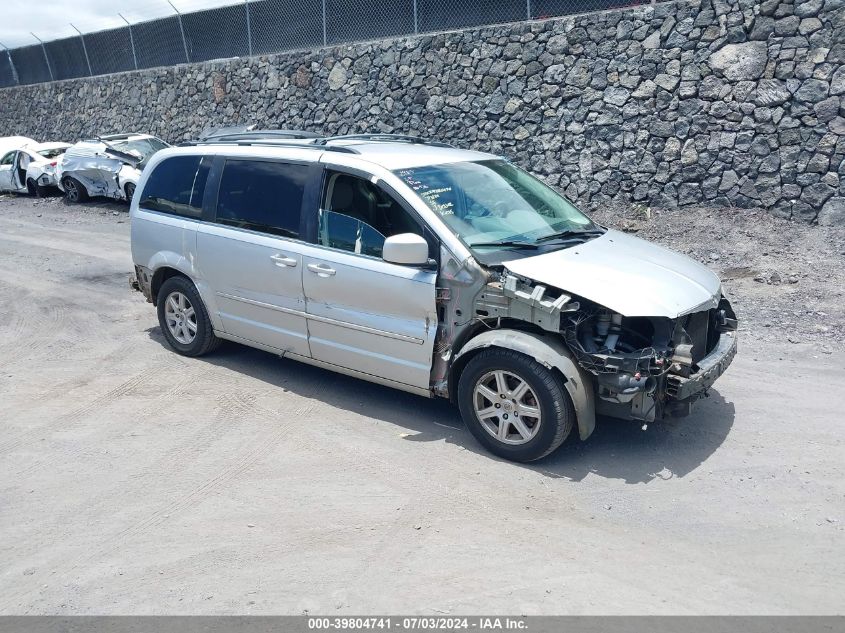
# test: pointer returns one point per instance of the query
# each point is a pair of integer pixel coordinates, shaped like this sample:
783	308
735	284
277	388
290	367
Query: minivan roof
387	154
397	155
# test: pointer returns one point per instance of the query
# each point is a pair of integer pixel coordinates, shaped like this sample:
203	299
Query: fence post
182	31
416	19
248	29
325	39
12	64
46	59
131	41
528	9
84	50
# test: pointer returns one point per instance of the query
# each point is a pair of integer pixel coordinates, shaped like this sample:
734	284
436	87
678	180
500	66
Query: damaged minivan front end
652	326
648	368
649	328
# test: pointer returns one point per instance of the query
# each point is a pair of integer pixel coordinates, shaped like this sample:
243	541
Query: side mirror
406	248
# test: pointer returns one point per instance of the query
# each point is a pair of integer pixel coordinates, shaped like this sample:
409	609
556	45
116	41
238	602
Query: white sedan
31	168
107	166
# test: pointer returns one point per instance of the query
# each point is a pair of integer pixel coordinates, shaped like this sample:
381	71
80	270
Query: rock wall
724	102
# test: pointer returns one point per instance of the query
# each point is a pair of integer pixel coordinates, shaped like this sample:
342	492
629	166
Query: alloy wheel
71	191
507	407
180	317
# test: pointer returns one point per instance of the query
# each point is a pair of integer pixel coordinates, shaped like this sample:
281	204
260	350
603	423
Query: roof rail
114	137
395	138
266	142
245	135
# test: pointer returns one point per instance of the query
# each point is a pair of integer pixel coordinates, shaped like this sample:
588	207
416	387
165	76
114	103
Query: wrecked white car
31	168
108	166
430	269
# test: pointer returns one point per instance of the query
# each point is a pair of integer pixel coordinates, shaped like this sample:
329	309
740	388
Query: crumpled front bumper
709	369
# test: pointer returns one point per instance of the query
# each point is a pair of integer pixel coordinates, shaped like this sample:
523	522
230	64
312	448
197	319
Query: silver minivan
435	270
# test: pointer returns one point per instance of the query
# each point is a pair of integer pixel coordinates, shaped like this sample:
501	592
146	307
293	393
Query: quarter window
177	185
8	158
262	196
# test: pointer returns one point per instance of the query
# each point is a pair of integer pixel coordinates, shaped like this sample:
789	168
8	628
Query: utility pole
12	64
325	39
84	50
182	30
46	59
248	29
131	41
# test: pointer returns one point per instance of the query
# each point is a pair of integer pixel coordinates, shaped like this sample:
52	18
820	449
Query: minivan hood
627	275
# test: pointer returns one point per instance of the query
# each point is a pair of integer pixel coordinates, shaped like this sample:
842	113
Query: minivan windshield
493	204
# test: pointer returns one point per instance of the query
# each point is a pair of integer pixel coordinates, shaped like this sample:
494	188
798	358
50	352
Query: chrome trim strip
322	319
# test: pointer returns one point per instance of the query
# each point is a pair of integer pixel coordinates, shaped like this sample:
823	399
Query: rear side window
262	196
177	185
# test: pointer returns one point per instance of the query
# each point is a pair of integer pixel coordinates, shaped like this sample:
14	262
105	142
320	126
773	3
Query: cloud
51	19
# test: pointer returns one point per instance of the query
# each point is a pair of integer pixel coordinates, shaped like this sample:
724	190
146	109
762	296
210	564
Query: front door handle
283	261
322	269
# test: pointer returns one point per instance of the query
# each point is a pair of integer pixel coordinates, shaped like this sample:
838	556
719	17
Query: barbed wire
168	32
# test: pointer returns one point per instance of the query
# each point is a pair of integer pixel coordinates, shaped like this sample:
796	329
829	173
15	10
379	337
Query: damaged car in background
435	270
30	167
108	166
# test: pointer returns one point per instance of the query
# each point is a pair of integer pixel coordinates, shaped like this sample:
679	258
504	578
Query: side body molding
548	351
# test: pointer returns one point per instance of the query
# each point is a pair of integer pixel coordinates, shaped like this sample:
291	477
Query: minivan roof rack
115	137
245	135
395	138
268	142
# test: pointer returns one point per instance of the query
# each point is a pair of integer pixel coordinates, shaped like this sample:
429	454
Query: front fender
552	353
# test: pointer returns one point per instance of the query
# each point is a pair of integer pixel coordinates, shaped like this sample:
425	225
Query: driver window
357	216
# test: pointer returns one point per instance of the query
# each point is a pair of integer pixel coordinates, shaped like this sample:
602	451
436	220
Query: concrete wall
725	102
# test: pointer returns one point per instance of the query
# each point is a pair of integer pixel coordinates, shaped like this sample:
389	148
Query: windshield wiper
503	243
570	233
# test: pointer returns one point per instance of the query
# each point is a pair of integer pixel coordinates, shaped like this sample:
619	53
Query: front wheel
514	406
184	319
129	190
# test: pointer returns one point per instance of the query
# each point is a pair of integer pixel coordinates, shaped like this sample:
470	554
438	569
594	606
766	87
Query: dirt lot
133	480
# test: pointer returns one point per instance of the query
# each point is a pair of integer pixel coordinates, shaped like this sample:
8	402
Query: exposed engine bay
642	361
642	368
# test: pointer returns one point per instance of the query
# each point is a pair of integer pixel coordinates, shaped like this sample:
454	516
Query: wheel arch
161	275
547	351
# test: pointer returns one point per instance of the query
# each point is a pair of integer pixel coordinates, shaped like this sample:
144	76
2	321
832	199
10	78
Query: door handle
322	269
283	261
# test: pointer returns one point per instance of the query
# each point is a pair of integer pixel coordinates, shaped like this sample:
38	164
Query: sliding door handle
322	269
283	261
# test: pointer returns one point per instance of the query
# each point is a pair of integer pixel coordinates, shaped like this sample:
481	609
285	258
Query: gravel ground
136	481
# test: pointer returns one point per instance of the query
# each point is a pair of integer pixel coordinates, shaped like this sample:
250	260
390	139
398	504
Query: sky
51	20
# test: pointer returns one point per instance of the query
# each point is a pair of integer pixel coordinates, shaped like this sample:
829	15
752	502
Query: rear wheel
513	405
74	191
184	319
129	190
34	189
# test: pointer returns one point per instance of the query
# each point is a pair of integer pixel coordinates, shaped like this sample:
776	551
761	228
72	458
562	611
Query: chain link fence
255	27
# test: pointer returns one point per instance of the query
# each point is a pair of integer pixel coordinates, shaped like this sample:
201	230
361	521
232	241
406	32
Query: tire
129	190
176	297
74	191
544	391
34	189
